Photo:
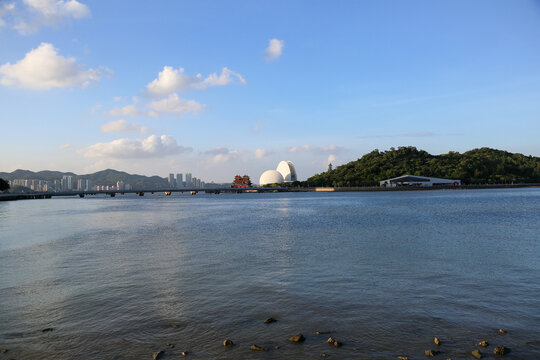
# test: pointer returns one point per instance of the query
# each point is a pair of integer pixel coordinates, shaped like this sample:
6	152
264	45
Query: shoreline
49	195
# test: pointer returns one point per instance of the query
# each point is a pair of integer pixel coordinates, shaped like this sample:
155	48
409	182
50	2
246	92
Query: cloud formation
174	105
220	155
42	69
294	149
170	80
152	147
5	8
260	153
274	49
49	13
123	126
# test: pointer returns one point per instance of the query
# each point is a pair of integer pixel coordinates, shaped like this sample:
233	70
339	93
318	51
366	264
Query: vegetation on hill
3	185
477	166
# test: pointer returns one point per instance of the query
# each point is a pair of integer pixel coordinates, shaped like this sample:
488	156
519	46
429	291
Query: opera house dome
287	170
271	177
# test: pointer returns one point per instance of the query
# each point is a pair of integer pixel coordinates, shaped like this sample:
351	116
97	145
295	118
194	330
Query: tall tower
179	180
188	179
172	183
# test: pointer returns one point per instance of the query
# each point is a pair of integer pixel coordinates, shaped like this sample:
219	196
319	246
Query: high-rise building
80	184
88	185
67	183
120	185
172	182
188	180
179	180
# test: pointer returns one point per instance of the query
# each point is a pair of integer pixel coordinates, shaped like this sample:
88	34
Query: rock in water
184	353
324	355
47	330
483	343
331	340
170	346
258	348
477	354
158	355
322	332
437	341
403	358
3	351
270	320
502	332
431	353
297	338
499	350
227	342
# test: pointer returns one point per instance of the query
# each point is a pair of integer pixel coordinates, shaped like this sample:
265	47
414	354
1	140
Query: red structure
241	182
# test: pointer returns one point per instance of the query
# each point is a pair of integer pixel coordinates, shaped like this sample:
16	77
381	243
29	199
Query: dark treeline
477	166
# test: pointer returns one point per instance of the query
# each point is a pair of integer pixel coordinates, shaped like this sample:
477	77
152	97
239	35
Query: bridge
140	192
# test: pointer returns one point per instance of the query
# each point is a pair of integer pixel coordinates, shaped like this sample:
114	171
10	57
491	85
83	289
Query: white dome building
271	177
287	170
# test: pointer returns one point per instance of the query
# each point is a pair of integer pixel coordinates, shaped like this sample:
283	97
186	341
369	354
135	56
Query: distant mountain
477	166
105	177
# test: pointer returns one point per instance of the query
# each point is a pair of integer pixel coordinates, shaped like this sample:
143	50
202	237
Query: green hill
477	166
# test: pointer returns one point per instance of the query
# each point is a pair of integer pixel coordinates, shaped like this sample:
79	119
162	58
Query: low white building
413	180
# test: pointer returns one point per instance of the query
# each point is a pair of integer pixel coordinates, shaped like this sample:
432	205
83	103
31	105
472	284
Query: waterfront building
67	183
241	182
179	180
188	180
285	172
120	185
419	181
80	184
88	185
172	182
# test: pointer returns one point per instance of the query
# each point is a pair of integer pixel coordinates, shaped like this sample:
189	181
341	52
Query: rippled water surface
119	278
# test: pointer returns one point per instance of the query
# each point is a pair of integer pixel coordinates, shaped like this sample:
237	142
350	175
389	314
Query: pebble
270	320
477	354
228	342
403	358
158	355
258	348
3	351
501	331
297	338
184	353
437	341
324	355
47	329
322	332
483	343
499	350
171	346
431	353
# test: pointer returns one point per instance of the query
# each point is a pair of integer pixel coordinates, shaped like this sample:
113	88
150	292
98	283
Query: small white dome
287	170
271	177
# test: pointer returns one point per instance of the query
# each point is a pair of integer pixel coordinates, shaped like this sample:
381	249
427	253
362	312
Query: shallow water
119	278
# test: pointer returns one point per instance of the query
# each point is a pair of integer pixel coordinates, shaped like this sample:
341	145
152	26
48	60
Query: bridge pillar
168	193
112	194
193	192
140	193
81	195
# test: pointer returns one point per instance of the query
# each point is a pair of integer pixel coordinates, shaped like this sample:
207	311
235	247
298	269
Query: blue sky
222	88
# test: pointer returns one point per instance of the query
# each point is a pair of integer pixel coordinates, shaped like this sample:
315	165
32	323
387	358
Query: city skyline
233	88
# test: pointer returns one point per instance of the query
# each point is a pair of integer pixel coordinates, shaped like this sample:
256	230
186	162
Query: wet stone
324	355
297	338
258	348
477	354
500	350
170	346
184	353
403	358
228	342
47	329
3	351
322	332
276	347
502	332
431	353
437	341
270	320
483	343
158	355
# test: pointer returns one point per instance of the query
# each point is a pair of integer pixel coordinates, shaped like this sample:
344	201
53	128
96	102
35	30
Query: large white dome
271	177
287	170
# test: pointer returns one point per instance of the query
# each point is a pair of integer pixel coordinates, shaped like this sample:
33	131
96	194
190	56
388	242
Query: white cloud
170	80
331	158
174	105
294	149
65	146
49	13
128	110
5	8
42	68
151	147
274	49
220	155
123	126
260	153
117	98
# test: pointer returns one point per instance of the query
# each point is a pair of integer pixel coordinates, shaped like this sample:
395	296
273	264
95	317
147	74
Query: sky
219	88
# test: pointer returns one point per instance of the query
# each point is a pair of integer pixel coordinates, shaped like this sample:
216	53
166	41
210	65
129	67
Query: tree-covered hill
477	166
